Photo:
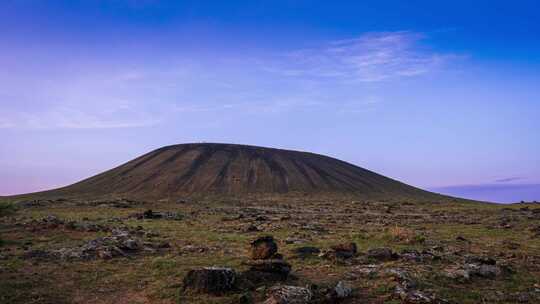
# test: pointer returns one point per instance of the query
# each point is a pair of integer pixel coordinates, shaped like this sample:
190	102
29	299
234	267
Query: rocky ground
268	250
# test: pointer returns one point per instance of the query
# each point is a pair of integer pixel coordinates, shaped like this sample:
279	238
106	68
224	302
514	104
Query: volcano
230	169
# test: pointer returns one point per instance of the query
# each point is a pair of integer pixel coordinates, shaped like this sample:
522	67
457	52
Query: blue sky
438	95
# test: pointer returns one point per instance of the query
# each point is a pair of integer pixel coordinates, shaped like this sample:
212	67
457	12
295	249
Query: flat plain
115	250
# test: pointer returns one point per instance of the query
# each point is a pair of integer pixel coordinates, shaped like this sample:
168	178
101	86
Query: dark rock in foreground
280	268
343	251
211	280
263	248
306	251
289	295
381	254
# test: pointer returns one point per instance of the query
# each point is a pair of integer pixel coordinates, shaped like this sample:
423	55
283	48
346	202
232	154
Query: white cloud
368	58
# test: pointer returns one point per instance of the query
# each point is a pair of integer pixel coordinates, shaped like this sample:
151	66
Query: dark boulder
149	214
381	254
306	251
345	250
481	260
211	280
263	248
274	266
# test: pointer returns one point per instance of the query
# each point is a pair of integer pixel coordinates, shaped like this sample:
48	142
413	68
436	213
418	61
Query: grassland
215	232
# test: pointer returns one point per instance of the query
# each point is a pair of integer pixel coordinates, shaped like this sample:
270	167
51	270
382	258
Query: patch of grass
405	235
25	290
7	209
384	289
13	264
164	266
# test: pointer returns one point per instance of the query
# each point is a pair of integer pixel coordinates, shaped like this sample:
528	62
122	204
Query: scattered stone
415	296
369	270
41	202
263	248
149	214
261	218
115	203
36	254
307	251
381	254
121	242
291	240
267	265
274	266
130	244
473	259
251	228
484	271
342	251
475	266
289	295
318	229
403	278
86	226
211	280
193	249
461	239
48	222
407	289
417	256
341	291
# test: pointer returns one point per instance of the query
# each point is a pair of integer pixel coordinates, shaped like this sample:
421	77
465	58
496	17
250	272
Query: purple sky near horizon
436	98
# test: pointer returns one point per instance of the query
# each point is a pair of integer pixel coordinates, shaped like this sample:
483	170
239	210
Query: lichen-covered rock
130	244
475	267
289	295
152	215
211	280
122	242
418	256
342	290
484	271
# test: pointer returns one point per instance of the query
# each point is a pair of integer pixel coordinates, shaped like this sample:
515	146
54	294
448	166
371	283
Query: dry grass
405	235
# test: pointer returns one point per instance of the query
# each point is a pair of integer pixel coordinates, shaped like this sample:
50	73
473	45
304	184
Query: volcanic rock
381	254
344	250
212	280
263	248
304	252
289	295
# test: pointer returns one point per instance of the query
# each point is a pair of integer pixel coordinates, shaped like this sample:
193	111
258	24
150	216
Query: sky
442	95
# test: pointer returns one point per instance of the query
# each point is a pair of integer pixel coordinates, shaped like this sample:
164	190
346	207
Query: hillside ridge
236	169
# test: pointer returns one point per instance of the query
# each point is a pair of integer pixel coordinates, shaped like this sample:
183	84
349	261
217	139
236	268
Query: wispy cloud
6	125
261	105
71	118
369	58
508	179
140	94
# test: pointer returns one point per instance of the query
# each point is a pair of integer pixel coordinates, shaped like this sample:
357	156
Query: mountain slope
199	169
